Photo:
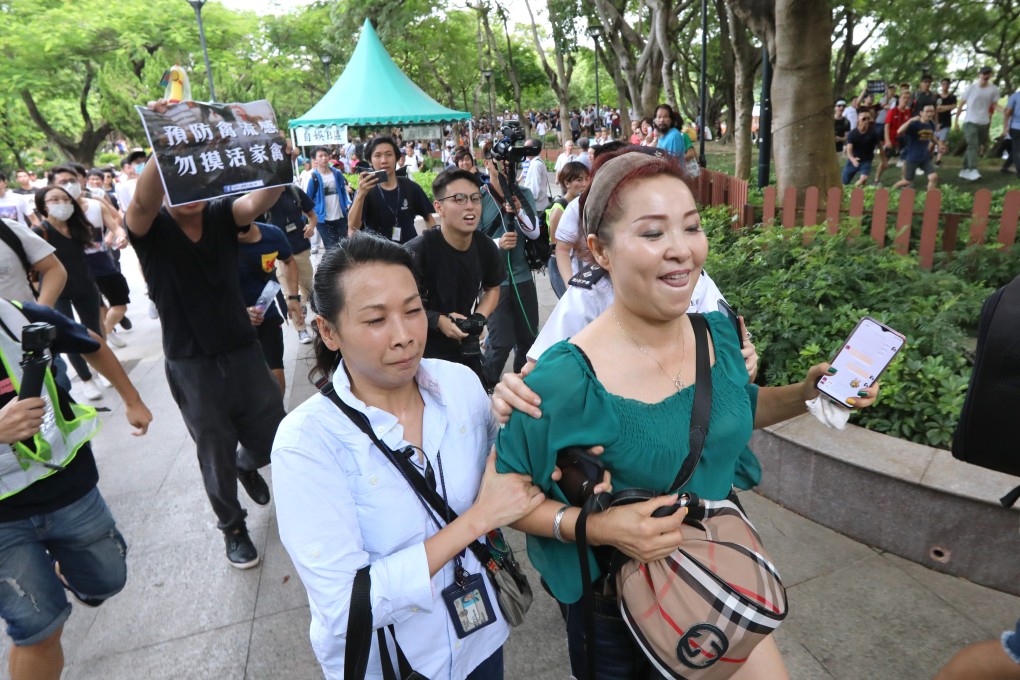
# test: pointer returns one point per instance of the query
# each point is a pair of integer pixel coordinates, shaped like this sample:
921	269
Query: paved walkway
185	614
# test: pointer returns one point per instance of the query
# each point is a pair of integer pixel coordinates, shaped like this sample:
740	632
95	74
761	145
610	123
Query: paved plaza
856	613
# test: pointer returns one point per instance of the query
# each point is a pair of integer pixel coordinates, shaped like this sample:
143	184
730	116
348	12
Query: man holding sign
214	367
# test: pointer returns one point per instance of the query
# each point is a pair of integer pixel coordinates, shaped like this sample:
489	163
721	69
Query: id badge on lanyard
468	602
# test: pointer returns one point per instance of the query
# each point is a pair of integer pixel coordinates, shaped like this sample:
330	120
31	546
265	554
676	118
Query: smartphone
379	175
734	319
865	354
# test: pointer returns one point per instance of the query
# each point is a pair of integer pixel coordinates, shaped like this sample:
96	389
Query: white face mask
72	188
60	211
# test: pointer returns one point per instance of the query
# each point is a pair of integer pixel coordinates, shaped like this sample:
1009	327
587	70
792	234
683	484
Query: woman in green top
626	382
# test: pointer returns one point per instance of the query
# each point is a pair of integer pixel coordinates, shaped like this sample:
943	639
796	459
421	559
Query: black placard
209	150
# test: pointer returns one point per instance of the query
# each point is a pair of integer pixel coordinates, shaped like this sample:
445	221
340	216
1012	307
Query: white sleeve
35	248
576	309
569	226
318	523
706	295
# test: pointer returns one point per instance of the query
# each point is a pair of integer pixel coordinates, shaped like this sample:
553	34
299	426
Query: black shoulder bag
513	592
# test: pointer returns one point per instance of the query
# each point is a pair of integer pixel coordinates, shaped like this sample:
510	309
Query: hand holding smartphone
863	357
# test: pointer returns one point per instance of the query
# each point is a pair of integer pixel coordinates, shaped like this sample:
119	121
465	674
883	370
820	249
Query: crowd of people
412	313
913	126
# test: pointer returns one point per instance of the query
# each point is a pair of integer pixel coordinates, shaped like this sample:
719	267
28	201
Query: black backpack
989	429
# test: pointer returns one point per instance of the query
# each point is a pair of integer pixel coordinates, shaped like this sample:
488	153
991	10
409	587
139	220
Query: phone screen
863	357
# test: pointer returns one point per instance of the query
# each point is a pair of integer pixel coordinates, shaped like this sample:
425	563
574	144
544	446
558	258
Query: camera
511	146
470	347
36	340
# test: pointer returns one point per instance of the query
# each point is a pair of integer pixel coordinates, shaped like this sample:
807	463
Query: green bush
802	300
106	158
422	178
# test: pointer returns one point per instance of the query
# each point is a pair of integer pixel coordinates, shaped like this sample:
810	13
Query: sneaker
91	390
899	164
254	485
153	312
104	382
241	551
126	324
303	337
919	172
115	340
965	174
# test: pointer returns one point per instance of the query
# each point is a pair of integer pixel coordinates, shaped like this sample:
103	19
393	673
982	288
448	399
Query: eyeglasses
462	199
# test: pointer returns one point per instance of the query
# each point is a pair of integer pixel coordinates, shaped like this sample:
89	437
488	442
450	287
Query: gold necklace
677	382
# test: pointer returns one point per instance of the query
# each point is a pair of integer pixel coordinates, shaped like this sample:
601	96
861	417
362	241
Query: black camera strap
701	412
428	497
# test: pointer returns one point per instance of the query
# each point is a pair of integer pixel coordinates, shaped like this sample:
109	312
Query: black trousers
226	400
512	326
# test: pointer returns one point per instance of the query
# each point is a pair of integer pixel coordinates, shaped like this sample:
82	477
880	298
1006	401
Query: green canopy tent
371	91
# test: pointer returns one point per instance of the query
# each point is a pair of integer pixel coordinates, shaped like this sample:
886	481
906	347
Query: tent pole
293	142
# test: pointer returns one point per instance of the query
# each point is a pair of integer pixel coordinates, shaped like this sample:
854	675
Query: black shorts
271	341
114	288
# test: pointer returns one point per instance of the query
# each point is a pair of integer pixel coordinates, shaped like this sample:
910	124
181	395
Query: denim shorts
1011	643
83	538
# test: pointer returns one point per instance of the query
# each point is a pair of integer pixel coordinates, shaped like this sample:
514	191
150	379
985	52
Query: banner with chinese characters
419	132
209	150
320	135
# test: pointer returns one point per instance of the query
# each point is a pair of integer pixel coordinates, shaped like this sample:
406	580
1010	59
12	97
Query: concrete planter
914	501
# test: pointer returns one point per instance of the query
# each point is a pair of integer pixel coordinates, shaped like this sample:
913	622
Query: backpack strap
14	243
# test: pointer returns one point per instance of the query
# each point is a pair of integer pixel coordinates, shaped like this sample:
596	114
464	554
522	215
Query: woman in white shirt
341	504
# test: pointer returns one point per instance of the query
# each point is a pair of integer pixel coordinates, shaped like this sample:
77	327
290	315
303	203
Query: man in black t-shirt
289	214
214	367
860	149
388	208
458	263
56	531
944	106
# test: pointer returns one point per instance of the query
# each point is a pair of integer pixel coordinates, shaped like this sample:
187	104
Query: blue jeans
617	656
490	669
332	231
83	538
849	171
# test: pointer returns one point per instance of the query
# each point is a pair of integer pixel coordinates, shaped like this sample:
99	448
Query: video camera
470	346
511	147
36	340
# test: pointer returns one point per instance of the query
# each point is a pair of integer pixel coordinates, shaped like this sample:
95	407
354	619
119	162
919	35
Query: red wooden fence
716	188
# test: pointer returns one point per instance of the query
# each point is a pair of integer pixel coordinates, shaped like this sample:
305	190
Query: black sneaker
126	324
240	550
254	485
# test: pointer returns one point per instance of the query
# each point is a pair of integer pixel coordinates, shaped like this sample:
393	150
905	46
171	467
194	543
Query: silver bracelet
557	520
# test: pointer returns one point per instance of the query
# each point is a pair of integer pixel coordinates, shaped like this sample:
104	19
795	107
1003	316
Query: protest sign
320	135
209	150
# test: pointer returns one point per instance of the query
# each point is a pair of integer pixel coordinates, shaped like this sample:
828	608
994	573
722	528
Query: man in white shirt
536	179
15	207
565	157
981	99
130	166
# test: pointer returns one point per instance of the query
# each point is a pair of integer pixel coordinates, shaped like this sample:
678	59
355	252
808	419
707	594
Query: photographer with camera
508	209
385	203
457	264
56	532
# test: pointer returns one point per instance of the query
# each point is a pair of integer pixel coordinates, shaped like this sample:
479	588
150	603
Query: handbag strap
359	626
429	498
701	411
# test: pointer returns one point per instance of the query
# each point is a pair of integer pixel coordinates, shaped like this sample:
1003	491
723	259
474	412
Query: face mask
60	211
72	188
139	167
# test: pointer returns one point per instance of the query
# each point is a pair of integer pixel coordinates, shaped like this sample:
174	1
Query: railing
716	188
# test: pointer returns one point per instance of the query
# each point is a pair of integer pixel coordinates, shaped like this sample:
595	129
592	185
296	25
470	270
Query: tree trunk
559	78
802	96
745	62
623	101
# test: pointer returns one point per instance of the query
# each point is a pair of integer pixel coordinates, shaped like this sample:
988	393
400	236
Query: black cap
926	78
985	69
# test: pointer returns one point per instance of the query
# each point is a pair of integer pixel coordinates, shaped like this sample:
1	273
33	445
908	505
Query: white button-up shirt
341	504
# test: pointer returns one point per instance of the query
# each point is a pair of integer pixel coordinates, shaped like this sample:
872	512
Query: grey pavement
855	612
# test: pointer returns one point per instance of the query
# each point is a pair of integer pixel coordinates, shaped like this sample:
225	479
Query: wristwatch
294	297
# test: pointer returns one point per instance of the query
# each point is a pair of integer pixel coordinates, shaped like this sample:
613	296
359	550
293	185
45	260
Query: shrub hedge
802	300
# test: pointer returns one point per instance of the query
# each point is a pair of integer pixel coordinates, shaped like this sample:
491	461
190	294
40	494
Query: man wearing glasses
860	150
458	264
